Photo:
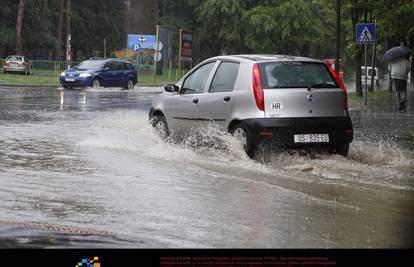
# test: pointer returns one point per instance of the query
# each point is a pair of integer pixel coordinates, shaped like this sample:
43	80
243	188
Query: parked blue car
98	72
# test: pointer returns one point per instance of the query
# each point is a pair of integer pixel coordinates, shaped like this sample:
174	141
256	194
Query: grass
29	79
50	78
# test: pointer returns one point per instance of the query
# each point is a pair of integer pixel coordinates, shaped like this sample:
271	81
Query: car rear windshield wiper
320	85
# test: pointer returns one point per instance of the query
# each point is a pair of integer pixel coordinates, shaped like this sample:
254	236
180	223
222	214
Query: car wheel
67	87
244	136
4	72
96	83
130	85
160	124
342	149
30	71
26	71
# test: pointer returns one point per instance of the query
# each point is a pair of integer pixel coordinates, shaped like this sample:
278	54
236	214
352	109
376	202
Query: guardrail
49	67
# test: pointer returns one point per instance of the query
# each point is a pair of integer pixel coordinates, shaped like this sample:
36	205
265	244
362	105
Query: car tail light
341	85
266	133
257	88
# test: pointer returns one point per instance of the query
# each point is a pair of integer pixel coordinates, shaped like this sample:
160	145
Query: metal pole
104	47
179	53
338	35
366	74
156	53
170	54
126	49
373	71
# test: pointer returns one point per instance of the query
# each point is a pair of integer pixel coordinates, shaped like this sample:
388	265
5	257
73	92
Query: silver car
17	64
286	100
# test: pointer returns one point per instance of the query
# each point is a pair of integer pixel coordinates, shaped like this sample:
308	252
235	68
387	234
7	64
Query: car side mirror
171	88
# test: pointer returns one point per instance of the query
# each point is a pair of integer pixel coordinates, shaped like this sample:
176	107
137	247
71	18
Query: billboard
142	40
186	45
144	48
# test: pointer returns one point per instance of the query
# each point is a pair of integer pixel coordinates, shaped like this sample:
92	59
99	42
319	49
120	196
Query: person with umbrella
398	60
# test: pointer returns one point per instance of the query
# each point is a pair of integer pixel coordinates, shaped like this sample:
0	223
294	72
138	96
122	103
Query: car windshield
14	58
91	64
294	74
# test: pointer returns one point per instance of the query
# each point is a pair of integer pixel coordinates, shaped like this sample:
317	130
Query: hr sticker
277	106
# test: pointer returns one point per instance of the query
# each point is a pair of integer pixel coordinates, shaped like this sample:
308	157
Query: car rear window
14	58
295	74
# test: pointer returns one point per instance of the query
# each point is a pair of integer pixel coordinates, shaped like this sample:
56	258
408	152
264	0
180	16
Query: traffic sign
365	33
136	47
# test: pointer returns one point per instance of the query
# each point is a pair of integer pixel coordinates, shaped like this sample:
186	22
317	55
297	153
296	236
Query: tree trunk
358	59
68	28
373	81
59	29
19	23
359	51
68	16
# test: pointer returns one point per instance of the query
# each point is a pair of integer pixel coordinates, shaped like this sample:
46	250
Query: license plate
69	79
311	138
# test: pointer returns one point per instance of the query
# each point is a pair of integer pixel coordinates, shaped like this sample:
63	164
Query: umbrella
395	53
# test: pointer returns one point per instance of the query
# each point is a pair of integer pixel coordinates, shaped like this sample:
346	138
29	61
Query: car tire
67	87
161	126
130	85
96	83
342	149
243	135
4	72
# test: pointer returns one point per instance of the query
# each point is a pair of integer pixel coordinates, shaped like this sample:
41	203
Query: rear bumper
282	130
15	68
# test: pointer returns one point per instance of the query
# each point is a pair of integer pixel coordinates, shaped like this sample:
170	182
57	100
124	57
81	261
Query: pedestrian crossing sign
365	33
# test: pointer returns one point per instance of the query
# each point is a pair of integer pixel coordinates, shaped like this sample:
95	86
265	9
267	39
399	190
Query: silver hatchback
284	100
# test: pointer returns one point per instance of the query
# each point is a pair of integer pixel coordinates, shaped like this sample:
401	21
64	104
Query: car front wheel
96	83
160	124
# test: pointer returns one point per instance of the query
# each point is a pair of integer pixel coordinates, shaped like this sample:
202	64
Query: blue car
95	73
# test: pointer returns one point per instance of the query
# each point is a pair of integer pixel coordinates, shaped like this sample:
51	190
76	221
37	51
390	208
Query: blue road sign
365	33
136	47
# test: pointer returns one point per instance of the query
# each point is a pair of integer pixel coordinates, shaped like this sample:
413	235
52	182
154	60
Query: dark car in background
99	72
15	63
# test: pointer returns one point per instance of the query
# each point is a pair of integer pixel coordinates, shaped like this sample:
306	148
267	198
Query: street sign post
365	34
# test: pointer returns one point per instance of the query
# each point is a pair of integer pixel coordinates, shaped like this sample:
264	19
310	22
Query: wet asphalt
83	168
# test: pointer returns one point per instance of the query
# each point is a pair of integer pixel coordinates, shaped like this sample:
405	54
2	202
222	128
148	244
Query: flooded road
83	168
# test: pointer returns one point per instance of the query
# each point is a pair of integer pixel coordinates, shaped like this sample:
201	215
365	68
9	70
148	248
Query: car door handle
227	98
195	100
